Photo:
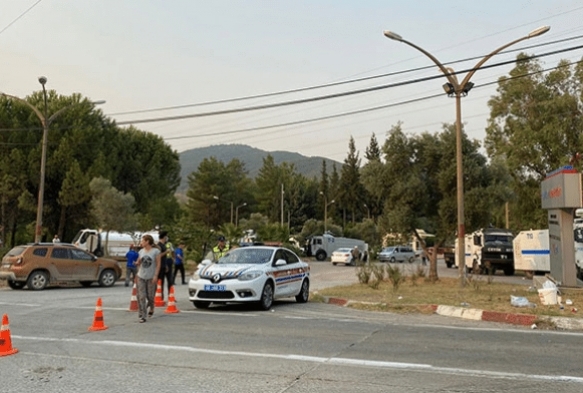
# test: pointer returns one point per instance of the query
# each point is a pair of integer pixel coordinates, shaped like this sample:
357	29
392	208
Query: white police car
251	274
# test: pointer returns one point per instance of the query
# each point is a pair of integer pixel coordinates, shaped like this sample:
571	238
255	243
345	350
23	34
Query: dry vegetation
401	290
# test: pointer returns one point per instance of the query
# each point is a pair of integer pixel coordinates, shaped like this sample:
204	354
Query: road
330	276
293	348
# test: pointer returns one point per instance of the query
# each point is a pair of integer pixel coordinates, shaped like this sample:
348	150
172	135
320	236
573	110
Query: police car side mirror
280	262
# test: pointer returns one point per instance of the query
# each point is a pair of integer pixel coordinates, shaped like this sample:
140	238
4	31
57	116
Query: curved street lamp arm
36	111
485	59
532	34
446	71
57	113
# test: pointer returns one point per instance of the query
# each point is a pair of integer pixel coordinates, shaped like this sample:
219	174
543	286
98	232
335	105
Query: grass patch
479	292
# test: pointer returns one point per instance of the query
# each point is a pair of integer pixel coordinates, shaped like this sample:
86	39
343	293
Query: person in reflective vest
220	249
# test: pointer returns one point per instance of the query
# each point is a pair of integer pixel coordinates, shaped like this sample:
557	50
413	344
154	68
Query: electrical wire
329	96
20	16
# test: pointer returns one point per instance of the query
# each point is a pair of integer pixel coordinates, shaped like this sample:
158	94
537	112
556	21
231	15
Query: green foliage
112	209
395	276
535	126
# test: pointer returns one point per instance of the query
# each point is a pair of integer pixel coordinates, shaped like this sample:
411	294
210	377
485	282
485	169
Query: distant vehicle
258	274
118	243
342	255
449	256
397	254
531	251
487	250
37	265
323	246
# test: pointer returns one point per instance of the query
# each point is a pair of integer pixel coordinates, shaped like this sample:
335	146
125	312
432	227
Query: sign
561	189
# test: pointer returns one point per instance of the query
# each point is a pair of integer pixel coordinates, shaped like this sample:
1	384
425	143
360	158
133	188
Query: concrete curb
562	323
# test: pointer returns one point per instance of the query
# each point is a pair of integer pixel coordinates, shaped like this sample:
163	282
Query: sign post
560	196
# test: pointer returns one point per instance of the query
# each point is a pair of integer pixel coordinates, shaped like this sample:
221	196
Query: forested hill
253	159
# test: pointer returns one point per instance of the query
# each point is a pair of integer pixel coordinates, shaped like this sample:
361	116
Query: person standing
165	273
355	255
219	250
56	239
131	257
148	263
179	262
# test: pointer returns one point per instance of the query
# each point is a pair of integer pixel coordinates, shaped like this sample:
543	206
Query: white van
397	254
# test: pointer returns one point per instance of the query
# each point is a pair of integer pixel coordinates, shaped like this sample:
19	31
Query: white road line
325	360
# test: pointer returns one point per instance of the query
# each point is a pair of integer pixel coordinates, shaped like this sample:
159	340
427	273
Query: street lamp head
99	102
244	204
42	80
392	35
539	31
332	201
215	197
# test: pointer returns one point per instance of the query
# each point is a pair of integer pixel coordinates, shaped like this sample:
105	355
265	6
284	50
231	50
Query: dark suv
37	265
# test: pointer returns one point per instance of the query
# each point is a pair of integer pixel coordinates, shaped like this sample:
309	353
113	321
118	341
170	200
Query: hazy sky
140	55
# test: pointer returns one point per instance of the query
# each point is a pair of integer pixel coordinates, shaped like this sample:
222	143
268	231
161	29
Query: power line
20	16
328	96
301	89
322	118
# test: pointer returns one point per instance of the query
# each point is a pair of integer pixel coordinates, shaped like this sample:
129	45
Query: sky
159	59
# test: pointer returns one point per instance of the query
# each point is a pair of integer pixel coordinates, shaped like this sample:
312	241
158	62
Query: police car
258	274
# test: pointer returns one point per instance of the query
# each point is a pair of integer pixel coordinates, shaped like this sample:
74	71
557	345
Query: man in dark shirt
166	265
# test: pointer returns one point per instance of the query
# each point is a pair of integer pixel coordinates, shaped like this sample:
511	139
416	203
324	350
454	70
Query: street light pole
326	204
453	87
367	211
237	213
219	199
46	122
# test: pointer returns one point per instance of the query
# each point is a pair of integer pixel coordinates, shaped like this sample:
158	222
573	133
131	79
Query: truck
531	251
118	243
487	250
322	246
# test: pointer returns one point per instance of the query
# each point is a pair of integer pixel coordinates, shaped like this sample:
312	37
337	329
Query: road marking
20	304
324	360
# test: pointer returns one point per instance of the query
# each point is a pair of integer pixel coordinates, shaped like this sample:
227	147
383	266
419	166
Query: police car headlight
252	275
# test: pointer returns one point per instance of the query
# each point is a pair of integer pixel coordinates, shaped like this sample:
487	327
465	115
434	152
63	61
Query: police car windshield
246	255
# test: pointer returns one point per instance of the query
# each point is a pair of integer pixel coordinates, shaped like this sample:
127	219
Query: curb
562	323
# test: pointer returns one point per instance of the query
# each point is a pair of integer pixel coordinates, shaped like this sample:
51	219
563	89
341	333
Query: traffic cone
5	340
134	299
98	318
171	309
158	301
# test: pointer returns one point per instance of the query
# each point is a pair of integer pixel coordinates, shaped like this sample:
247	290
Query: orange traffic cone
134	299
98	318
158	301
5	340
171	309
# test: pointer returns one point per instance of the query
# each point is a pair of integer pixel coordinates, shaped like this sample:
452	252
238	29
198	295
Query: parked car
397	254
258	274
342	255
37	265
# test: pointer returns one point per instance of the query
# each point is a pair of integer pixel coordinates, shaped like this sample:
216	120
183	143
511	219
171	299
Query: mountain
253	160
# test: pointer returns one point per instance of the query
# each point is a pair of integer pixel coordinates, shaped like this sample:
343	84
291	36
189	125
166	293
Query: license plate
216	288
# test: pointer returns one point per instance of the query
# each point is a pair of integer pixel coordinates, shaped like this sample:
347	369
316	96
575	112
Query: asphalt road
327	275
293	348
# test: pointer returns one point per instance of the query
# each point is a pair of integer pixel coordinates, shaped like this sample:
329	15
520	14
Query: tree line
407	181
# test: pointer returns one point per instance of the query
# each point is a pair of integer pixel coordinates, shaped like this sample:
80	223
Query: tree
535	126
112	209
229	183
351	193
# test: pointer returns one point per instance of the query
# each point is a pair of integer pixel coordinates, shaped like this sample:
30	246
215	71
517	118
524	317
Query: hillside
253	159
